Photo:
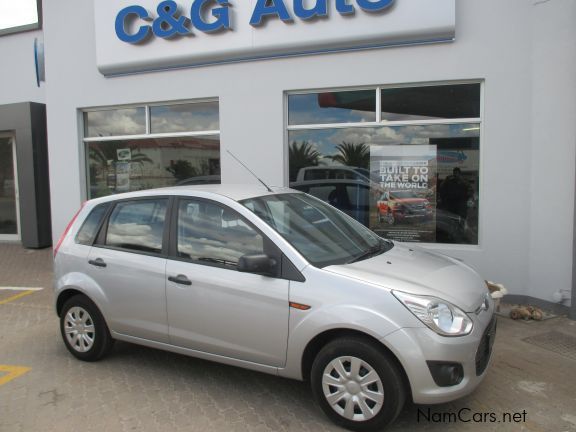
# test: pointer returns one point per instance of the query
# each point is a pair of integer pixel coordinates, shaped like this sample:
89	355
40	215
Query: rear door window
137	225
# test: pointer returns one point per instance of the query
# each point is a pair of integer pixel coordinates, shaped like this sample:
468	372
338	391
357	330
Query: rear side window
89	229
137	225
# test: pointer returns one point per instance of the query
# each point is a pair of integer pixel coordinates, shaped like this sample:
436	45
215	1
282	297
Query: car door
213	307
128	263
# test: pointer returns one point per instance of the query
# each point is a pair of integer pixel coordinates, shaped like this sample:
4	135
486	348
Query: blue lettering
276	7
374	5
320	10
221	14
120	25
214	15
169	22
344	8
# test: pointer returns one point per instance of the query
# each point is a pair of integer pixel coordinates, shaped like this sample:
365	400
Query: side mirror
260	264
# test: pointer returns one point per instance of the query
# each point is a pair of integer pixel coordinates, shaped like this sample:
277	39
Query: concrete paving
43	388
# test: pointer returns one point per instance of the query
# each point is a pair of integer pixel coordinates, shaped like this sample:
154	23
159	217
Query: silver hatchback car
278	282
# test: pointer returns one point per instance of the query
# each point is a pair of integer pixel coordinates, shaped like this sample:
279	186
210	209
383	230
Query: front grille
485	347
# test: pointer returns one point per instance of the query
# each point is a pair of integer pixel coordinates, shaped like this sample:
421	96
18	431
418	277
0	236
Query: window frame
100	239
148	123
26	27
269	247
379	123
85	141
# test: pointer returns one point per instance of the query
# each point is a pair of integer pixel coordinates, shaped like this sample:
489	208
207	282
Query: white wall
17	70
553	127
499	42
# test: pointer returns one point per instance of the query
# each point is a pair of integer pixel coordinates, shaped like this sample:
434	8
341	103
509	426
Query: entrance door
9	217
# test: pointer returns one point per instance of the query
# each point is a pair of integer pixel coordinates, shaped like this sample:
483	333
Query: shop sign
141	35
170	22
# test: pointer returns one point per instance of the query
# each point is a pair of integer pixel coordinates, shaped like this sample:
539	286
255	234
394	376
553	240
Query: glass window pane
184	117
18	13
411	183
428	103
212	234
87	232
315	229
332	107
137	225
128	121
131	165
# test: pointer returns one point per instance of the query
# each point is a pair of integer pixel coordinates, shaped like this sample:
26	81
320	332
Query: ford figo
279	282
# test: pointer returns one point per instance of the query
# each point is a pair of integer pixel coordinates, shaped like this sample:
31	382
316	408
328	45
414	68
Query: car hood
410	200
417	271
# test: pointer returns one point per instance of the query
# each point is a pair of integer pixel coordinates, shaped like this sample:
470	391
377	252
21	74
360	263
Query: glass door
9	217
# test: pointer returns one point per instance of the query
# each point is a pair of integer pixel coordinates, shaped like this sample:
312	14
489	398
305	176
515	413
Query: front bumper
414	347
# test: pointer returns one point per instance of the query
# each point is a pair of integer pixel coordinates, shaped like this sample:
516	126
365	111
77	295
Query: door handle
98	262
180	279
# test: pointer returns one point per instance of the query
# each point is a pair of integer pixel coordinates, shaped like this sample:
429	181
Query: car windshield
322	234
403	194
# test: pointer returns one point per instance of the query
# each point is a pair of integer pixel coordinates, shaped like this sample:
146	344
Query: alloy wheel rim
353	388
79	329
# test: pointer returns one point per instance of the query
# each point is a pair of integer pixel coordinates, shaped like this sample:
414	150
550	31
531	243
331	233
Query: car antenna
250	171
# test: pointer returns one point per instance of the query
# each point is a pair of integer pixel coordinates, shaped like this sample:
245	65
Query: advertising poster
403	205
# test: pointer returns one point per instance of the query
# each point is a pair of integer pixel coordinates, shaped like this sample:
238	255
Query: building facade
428	123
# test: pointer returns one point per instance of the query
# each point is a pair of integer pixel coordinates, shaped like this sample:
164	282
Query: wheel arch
75	283
67	294
319	341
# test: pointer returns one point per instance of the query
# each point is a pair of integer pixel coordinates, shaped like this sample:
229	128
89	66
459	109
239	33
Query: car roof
328	182
236	192
331	167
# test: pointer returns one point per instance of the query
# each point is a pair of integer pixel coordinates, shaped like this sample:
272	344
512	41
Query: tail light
63	236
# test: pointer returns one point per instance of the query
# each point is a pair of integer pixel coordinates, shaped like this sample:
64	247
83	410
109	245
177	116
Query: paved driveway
43	388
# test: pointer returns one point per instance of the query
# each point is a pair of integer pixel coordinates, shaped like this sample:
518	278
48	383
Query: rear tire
357	384
84	329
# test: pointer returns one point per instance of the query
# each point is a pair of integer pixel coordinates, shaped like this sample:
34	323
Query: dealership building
451	124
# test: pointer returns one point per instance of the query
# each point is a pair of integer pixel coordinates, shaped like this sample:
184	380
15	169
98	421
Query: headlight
441	316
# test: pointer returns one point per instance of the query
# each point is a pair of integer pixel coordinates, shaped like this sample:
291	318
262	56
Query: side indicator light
299	306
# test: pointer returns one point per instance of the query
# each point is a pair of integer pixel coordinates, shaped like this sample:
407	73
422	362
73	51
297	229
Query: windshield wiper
381	247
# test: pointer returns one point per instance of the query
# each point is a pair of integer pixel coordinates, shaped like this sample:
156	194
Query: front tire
357	384
84	330
390	218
